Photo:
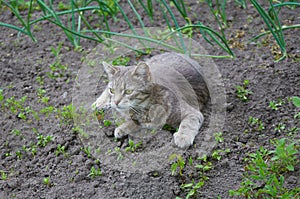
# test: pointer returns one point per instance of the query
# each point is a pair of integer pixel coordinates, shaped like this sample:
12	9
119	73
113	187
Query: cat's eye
112	91
128	91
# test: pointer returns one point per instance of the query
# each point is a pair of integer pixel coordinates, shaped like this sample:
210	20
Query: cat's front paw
119	133
183	140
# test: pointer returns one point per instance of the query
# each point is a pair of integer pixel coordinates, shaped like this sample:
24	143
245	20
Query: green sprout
242	92
179	164
94	172
132	146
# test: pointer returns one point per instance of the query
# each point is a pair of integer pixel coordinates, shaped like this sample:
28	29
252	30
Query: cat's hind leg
189	127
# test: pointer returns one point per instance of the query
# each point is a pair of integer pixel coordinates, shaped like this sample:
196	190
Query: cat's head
130	86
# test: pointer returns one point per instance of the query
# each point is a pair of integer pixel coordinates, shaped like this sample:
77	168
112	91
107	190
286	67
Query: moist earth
25	71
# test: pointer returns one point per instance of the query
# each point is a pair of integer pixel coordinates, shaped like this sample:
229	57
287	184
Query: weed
219	137
121	61
66	113
60	150
275	104
3	175
47	181
107	123
118	151
19	154
192	188
264	177
1	95
217	154
255	122
87	151
95	172
179	164
296	101
132	146
279	128
242	92
47	110
44	140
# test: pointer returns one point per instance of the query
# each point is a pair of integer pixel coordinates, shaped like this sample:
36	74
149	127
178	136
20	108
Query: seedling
132	146
279	128
179	164
192	188
264	172
121	61
1	95
43	141
242	92
87	151
47	181
19	154
217	154
3	175
219	137
66	113
118	151
95	172
256	122
60	150
274	105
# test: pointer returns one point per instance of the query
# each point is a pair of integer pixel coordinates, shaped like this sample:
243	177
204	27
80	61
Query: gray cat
166	89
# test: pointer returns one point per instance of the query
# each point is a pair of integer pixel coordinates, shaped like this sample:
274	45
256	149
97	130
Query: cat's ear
142	71
109	69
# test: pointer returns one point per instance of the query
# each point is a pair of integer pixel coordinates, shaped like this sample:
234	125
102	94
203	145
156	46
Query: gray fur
166	89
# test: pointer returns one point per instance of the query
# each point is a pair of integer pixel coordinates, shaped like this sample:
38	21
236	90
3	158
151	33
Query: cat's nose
117	102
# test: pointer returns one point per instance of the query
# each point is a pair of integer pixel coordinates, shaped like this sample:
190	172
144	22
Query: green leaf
290	168
296	101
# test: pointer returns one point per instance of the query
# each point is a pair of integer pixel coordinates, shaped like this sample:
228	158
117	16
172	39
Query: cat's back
179	73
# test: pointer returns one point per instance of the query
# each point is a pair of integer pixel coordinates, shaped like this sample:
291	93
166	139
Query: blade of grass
24	24
268	32
212	34
180	8
138	17
148	9
175	23
274	27
50	10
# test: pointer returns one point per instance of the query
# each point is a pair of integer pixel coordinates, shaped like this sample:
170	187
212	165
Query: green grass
107	12
265	171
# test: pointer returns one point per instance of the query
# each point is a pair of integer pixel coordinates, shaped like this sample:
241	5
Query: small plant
3	175
87	151
264	177
179	164
118	151
279	128
219	137
121	61
192	188
255	122
95	172
217	154
66	113
274	105
47	181
44	140
132	146
19	154
60	150
242	92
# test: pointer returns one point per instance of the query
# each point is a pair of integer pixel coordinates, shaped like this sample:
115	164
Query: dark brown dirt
23	61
